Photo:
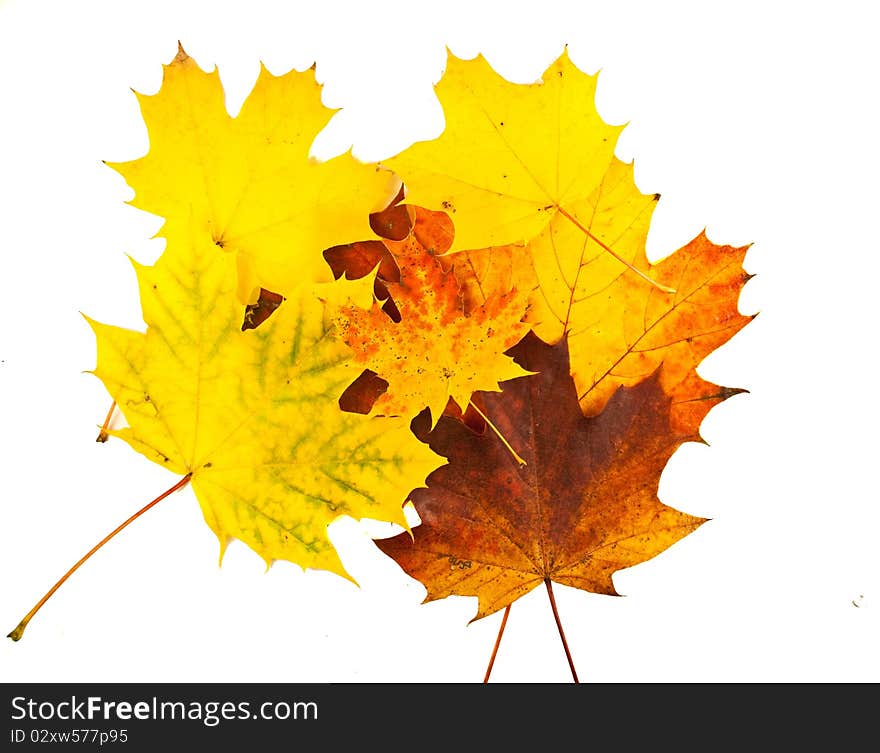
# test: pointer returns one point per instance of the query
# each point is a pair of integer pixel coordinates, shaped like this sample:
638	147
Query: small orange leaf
437	351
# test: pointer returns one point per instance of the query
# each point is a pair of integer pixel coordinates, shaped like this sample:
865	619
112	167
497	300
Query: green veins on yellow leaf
248	182
253	415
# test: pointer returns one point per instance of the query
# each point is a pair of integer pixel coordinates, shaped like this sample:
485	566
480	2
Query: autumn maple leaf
248	182
436	351
252	417
514	161
511	156
583	506
618	343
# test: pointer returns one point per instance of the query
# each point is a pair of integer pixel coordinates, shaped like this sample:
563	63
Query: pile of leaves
471	326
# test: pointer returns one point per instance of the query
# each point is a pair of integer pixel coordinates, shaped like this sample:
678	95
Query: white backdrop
754	120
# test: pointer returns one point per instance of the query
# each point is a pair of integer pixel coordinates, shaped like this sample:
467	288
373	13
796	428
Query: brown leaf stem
103	436
20	628
611	251
559	627
497	643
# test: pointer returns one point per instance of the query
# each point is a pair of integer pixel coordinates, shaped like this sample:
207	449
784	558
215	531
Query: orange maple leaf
437	351
618	328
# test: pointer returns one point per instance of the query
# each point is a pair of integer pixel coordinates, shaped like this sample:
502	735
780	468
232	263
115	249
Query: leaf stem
500	435
19	630
497	643
103	435
617	256
559	627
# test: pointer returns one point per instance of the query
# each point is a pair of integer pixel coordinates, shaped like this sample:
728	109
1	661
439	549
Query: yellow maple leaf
248	182
513	157
571	268
253	415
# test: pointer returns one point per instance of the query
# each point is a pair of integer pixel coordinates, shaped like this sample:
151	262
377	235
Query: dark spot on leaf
394	222
360	395
256	313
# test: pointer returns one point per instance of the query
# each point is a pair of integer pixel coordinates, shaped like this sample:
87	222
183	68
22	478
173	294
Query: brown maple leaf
582	507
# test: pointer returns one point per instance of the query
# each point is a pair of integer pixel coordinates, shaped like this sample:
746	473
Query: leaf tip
727	392
264	71
182	56
224	544
94	324
343	573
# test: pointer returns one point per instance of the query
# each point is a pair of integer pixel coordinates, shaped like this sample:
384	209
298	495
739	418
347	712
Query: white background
754	120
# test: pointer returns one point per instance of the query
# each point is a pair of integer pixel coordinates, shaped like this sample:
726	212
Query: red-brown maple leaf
582	507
